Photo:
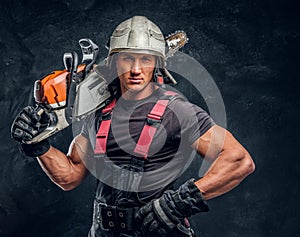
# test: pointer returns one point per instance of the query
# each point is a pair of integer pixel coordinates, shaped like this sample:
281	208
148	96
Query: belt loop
97	214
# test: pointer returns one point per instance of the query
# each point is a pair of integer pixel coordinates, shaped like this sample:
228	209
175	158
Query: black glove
29	123
160	216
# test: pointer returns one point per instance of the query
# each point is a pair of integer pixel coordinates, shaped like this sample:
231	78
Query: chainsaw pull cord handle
89	53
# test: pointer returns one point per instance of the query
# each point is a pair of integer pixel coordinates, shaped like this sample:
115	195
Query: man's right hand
29	123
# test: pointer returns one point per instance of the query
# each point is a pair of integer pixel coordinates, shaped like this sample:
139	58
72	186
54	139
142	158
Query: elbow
66	183
248	164
252	166
70	180
243	161
67	186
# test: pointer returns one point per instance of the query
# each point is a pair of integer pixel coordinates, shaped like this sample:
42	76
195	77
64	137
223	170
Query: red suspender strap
109	107
102	134
101	137
149	129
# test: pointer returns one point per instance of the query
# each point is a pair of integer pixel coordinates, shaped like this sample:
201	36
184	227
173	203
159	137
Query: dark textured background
251	49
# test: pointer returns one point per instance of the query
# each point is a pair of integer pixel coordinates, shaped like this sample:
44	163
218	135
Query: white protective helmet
138	34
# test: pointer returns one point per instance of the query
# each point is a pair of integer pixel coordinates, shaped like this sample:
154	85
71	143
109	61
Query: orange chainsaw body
53	88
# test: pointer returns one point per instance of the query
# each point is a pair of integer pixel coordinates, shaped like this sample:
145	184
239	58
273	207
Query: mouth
135	80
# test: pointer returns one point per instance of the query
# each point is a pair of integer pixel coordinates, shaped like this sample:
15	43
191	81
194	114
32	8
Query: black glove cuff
169	208
193	190
36	149
189	200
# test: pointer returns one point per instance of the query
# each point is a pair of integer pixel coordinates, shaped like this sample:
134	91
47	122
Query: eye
147	59
127	58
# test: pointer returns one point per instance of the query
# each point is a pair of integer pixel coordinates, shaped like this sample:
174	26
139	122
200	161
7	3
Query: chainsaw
70	94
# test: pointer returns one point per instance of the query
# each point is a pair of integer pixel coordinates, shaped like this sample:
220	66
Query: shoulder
180	105
170	94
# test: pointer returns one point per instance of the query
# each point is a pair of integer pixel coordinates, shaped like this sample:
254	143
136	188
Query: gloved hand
29	123
161	215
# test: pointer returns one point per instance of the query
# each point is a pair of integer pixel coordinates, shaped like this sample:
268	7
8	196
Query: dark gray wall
251	49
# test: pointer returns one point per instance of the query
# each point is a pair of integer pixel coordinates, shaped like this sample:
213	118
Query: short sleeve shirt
183	122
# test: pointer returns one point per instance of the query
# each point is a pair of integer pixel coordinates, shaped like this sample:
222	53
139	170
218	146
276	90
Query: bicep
215	141
80	149
67	171
80	153
230	162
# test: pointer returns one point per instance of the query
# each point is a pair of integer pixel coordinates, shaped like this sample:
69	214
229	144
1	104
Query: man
137	162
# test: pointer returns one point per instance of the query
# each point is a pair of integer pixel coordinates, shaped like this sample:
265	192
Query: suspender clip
153	119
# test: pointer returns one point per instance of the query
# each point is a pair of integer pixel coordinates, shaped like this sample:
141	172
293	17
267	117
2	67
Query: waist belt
114	217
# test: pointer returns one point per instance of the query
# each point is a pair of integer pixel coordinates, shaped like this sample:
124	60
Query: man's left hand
160	216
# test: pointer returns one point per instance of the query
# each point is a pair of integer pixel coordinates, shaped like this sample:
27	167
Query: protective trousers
118	218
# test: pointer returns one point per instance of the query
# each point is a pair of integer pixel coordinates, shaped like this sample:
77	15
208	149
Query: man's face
135	72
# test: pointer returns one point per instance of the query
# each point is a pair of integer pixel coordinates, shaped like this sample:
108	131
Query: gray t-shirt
182	124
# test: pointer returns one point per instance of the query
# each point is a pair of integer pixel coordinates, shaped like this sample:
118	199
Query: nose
136	67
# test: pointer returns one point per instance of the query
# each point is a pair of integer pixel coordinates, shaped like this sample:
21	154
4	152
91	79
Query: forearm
61	169
226	172
67	171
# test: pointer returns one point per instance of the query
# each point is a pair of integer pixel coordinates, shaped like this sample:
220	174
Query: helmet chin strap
157	75
161	75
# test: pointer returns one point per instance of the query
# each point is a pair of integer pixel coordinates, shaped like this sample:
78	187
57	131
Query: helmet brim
136	50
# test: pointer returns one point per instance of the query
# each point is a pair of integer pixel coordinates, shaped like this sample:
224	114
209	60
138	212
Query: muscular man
139	145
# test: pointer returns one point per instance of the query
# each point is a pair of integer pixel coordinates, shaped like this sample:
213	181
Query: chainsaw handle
89	52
